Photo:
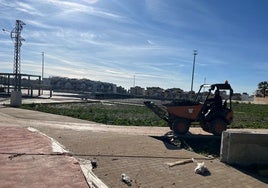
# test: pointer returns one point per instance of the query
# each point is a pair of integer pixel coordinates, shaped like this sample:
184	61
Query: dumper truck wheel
205	125
217	126
180	126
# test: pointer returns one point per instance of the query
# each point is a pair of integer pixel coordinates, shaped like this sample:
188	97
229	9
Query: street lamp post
195	53
134	80
42	83
43	57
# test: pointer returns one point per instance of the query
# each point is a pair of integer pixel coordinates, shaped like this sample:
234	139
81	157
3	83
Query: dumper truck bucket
159	110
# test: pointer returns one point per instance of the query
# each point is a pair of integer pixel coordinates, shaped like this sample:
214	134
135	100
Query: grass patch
250	116
114	114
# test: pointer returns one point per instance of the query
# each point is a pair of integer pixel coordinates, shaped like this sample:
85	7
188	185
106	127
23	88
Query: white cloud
27	8
39	24
67	5
90	1
67	8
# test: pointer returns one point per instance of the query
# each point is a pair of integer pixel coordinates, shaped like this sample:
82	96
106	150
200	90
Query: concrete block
15	99
244	148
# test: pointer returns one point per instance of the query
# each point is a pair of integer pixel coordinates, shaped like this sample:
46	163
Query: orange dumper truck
208	108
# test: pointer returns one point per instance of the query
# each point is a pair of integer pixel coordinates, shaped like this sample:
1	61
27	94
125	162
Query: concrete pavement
130	150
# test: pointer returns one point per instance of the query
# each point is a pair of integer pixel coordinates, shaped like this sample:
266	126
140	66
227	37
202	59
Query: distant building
246	97
237	96
174	93
80	85
121	90
137	91
98	87
154	92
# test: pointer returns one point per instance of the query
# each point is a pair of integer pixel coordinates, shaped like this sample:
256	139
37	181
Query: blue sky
153	40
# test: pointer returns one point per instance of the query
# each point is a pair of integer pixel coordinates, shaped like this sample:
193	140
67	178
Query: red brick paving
26	160
18	140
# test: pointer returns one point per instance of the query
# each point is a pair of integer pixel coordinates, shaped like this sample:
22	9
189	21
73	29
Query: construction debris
201	168
126	179
179	162
94	163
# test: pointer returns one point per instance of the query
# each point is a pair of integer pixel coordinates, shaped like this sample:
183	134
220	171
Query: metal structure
29	83
14	84
209	110
15	35
195	53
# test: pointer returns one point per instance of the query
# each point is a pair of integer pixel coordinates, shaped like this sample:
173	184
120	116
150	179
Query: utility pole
134	80
16	36
195	53
205	81
43	58
42	82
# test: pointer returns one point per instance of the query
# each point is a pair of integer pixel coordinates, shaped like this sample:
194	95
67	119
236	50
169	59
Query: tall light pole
195	53
43	58
42	82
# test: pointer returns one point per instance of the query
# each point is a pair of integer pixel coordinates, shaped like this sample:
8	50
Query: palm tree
263	86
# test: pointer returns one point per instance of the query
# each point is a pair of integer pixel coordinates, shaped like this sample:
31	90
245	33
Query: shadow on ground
259	172
202	144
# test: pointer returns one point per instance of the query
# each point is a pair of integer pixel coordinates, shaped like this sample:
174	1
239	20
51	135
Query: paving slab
143	158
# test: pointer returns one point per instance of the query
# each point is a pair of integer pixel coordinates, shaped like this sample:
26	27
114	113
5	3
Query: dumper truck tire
217	126
205	126
180	126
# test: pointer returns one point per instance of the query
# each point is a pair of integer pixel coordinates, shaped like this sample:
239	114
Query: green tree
263	86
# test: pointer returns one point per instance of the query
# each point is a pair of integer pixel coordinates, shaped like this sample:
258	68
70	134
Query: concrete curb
92	179
86	167
56	146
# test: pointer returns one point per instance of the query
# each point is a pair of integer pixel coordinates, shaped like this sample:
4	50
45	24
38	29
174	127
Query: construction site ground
27	158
